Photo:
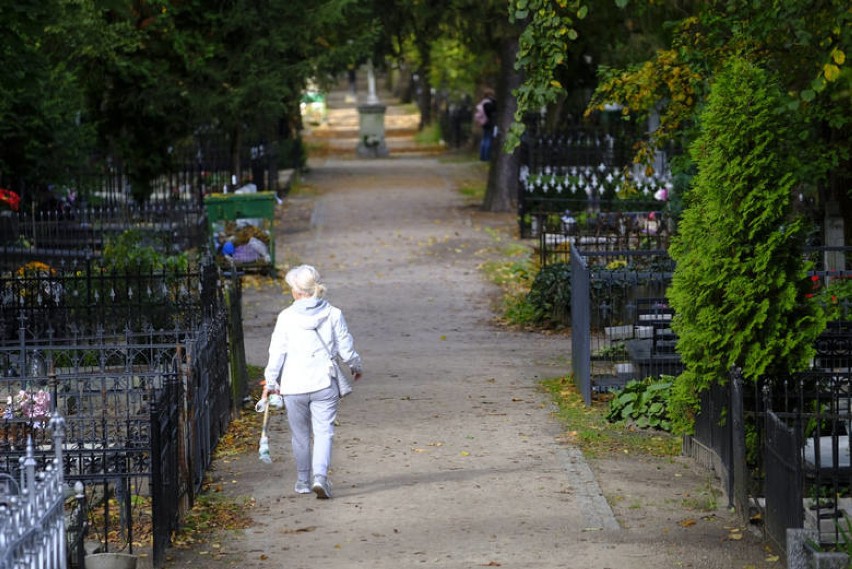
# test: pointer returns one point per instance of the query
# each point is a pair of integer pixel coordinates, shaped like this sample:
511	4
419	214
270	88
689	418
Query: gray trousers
312	413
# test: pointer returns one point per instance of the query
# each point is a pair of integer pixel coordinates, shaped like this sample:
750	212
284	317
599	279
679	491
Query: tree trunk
502	190
424	95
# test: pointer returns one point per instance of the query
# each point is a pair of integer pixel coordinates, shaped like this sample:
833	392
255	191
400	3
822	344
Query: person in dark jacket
485	117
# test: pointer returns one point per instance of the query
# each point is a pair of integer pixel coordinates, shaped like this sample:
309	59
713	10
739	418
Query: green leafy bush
740	286
836	298
129	252
550	294
644	402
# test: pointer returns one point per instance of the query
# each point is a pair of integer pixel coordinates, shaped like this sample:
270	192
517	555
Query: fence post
581	326
57	428
737	486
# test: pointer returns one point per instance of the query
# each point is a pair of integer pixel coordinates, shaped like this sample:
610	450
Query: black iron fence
781	446
455	118
210	161
55	237
606	233
578	173
144	406
620	318
63	304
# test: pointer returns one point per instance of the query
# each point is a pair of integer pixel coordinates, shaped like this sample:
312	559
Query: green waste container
246	222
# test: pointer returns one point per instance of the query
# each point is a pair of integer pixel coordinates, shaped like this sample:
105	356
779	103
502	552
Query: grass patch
588	429
473	191
410	109
429	135
513	271
705	499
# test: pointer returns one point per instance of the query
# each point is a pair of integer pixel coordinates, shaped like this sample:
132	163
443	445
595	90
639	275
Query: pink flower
32	406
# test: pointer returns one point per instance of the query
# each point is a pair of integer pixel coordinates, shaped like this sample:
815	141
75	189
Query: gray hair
306	280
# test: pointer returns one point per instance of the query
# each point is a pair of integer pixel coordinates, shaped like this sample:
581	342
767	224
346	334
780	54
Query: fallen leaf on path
464	453
773	559
687	523
491	564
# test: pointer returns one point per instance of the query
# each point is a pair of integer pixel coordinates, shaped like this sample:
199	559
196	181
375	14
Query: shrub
550	294
644	402
739	287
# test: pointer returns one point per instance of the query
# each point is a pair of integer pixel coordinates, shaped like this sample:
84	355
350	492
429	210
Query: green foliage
456	68
614	351
550	294
844	528
136	80
41	93
543	47
644	402
517	311
834	299
739	287
430	135
588	428
128	253
660	57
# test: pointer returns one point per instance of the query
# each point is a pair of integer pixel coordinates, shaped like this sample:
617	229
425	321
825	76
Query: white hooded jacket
298	356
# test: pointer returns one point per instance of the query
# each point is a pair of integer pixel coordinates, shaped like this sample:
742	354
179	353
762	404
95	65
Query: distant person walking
308	337
352	79
484	117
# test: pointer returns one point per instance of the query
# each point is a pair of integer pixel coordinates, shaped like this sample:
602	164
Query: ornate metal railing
82	232
32	517
144	407
581	172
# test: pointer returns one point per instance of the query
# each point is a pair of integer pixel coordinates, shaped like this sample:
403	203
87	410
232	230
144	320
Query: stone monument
371	131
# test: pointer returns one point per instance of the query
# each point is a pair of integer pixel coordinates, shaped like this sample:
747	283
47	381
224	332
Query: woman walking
308	337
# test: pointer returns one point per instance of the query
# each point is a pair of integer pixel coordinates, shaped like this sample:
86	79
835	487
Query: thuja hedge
739	290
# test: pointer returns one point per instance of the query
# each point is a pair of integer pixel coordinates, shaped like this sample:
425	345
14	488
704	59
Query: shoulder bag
344	383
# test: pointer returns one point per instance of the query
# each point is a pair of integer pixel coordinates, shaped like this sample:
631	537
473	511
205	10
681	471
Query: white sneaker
302	487
322	487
